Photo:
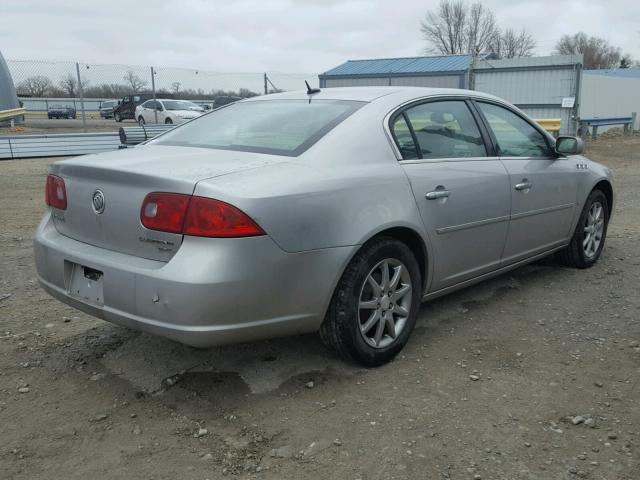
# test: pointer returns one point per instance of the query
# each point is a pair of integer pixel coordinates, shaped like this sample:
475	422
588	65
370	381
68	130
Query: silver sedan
337	210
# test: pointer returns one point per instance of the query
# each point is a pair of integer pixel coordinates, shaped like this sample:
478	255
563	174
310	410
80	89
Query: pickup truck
58	111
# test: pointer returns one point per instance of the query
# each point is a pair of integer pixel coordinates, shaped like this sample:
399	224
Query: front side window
446	129
279	127
515	137
148	104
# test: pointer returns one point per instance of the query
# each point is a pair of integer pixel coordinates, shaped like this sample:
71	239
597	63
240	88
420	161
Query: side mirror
569	145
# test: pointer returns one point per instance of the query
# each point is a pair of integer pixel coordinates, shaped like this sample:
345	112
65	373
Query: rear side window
279	127
445	129
404	139
514	135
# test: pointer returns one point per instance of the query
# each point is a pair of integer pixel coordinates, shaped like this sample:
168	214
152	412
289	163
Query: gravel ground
532	375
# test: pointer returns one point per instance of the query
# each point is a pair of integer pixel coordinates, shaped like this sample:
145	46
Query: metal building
543	87
448	71
8	97
610	93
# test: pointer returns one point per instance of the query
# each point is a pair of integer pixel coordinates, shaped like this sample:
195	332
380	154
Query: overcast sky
295	36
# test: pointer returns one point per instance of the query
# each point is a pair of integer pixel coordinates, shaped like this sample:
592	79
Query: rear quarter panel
342	191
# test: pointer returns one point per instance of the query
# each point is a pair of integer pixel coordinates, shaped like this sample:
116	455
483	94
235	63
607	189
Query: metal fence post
84	120
153	90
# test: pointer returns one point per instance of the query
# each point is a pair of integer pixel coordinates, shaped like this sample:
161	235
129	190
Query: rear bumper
212	292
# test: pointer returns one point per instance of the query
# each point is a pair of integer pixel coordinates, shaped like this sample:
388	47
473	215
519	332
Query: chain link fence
81	90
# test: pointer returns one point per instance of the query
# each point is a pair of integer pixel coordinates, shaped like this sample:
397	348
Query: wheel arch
605	187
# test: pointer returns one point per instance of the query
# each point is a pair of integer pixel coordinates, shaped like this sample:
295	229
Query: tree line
456	27
67	87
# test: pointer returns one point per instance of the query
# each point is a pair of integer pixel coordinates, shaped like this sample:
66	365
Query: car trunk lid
123	179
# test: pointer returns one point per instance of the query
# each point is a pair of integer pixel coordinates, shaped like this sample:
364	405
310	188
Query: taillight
164	211
55	192
196	216
212	218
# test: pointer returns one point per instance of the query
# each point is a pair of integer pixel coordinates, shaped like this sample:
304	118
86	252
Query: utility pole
84	120
474	66
153	90
266	79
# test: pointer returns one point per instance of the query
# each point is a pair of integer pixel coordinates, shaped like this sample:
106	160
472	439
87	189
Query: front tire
168	121
141	121
117	117
591	231
375	305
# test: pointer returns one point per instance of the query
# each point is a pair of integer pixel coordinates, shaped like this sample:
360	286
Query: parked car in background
337	210
106	108
60	111
167	111
224	100
126	109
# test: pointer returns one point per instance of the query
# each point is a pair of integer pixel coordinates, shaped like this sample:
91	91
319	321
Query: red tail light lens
196	216
164	211
55	192
212	218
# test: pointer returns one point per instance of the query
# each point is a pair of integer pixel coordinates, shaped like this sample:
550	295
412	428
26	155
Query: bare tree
511	44
626	61
175	87
456	27
597	52
134	81
36	86
69	84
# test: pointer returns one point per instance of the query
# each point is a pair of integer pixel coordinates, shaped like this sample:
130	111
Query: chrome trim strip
542	210
445	160
478	223
489	221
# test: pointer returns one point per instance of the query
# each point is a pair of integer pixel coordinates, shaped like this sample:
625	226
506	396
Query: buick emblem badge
98	202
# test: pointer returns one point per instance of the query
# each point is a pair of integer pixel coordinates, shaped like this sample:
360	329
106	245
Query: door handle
437	194
524	185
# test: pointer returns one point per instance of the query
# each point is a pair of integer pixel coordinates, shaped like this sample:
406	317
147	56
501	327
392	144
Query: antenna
311	91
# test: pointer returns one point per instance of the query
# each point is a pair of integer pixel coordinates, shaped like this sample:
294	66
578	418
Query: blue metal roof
387	66
616	72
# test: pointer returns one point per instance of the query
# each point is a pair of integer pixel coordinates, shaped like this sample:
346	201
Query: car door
461	190
543	185
150	111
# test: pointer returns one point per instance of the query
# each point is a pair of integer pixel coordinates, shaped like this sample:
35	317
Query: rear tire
591	231
117	117
168	121
370	317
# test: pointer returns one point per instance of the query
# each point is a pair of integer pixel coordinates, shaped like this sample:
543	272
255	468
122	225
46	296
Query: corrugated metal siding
528	86
528	62
564	114
444	81
543	90
64	144
604	96
356	82
616	72
448	63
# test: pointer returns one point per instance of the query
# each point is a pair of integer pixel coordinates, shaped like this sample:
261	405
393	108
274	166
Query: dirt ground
532	375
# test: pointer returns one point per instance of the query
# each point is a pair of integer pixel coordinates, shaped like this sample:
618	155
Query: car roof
370	94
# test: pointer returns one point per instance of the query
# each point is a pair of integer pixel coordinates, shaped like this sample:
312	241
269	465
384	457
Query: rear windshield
279	127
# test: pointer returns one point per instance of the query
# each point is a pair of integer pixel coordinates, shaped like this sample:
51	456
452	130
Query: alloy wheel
385	303
593	230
